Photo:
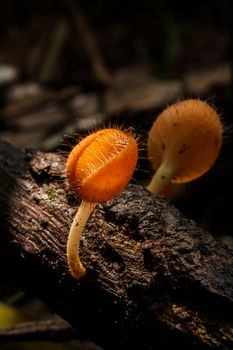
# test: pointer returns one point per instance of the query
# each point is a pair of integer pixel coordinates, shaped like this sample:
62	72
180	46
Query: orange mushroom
98	168
183	143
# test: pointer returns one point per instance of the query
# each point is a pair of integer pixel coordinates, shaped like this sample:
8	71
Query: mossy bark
155	280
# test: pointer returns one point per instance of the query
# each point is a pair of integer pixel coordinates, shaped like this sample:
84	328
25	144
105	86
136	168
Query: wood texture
155	280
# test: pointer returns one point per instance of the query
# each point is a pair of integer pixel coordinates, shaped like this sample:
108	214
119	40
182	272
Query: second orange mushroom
183	143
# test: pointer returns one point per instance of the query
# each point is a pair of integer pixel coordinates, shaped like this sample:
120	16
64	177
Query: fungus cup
97	169
183	143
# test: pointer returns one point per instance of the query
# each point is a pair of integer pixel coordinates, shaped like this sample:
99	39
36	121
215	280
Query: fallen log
154	278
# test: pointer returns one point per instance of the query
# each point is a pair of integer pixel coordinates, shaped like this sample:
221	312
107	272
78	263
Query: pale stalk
75	266
161	178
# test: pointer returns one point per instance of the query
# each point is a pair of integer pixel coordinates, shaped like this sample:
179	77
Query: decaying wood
53	329
154	278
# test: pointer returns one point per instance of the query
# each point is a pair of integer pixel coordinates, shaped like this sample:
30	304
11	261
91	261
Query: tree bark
155	280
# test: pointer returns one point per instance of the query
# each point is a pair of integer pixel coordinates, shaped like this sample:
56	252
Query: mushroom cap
186	136
101	165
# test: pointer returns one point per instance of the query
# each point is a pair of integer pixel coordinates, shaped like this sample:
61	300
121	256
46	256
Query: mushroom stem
75	266
161	178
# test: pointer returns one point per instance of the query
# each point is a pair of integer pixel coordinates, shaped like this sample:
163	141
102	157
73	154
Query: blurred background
68	67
